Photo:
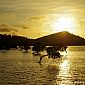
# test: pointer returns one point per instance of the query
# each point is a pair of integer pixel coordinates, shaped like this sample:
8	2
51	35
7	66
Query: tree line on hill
12	41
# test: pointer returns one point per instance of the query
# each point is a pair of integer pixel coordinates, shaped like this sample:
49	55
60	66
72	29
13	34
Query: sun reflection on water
64	72
64	67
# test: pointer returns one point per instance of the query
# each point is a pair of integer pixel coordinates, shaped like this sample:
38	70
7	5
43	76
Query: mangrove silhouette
53	52
38	48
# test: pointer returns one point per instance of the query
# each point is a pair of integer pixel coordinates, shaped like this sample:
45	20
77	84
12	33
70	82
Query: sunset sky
36	18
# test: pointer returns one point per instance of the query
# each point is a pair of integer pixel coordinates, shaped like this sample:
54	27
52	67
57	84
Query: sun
64	23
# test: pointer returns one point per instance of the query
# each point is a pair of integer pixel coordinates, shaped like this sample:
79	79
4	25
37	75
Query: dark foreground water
19	68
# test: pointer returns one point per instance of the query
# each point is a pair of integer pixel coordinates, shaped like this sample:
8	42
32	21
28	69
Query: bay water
20	68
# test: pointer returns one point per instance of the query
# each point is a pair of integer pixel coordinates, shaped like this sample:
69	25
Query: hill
61	38
12	41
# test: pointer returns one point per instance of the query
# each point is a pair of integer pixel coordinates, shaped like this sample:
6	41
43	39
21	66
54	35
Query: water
19	68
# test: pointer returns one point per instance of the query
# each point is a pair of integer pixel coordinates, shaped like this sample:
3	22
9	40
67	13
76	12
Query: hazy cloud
7	28
37	17
21	26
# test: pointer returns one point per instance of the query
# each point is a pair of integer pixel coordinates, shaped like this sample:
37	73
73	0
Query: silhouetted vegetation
37	48
53	52
7	42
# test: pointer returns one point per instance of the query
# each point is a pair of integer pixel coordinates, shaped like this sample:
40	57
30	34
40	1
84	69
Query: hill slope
61	38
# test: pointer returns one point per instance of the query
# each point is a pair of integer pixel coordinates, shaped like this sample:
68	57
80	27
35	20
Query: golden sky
36	18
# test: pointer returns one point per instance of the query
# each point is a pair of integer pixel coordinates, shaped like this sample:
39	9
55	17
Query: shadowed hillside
61	38
12	41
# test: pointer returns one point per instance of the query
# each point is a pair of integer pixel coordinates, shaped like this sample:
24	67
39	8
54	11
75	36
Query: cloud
31	22
21	26
37	18
7	28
